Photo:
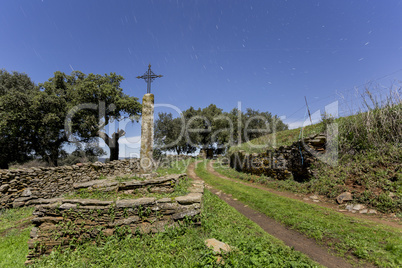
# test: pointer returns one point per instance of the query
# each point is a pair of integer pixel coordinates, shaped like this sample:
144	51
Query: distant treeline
211	128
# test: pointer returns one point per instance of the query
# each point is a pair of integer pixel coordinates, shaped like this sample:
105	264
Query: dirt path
290	237
305	199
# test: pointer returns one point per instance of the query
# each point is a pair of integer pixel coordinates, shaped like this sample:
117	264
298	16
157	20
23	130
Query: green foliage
277	139
107	100
90	153
212	128
169	135
17	93
369	156
374	129
14	234
14	248
320	223
9	217
371	177
33	118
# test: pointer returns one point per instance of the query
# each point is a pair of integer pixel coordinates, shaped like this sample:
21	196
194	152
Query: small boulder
216	245
346	196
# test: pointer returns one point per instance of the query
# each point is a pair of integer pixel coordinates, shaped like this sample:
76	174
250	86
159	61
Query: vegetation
177	247
369	155
368	241
372	180
84	100
211	128
277	139
17	92
14	234
36	121
174	167
184	246
90	153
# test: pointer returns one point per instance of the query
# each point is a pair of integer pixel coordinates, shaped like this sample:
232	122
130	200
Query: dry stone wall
282	163
19	186
65	222
148	184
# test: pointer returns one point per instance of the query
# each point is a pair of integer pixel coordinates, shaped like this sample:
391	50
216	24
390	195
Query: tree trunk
3	164
53	157
112	143
114	153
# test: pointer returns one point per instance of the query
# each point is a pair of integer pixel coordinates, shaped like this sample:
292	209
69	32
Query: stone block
164	200
125	221
130	203
181	215
87	202
189	199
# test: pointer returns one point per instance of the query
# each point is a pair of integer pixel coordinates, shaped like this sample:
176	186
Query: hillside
369	158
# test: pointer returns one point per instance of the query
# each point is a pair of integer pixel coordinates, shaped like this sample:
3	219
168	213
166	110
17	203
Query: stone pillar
147	133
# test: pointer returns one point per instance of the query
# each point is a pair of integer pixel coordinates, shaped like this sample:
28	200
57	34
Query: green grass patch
277	139
366	240
16	216
184	246
289	185
14	235
14	248
174	167
373	179
369	156
177	247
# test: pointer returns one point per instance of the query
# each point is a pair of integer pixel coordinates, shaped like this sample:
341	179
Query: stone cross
149	77
147	124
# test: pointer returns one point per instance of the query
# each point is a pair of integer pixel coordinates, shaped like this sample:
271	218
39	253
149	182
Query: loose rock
346	196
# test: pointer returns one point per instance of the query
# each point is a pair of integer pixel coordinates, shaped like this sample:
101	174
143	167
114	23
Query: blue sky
267	55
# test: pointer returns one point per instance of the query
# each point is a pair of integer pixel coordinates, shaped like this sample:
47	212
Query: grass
177	247
371	178
376	125
275	140
184	246
174	167
14	235
368	241
12	217
369	155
